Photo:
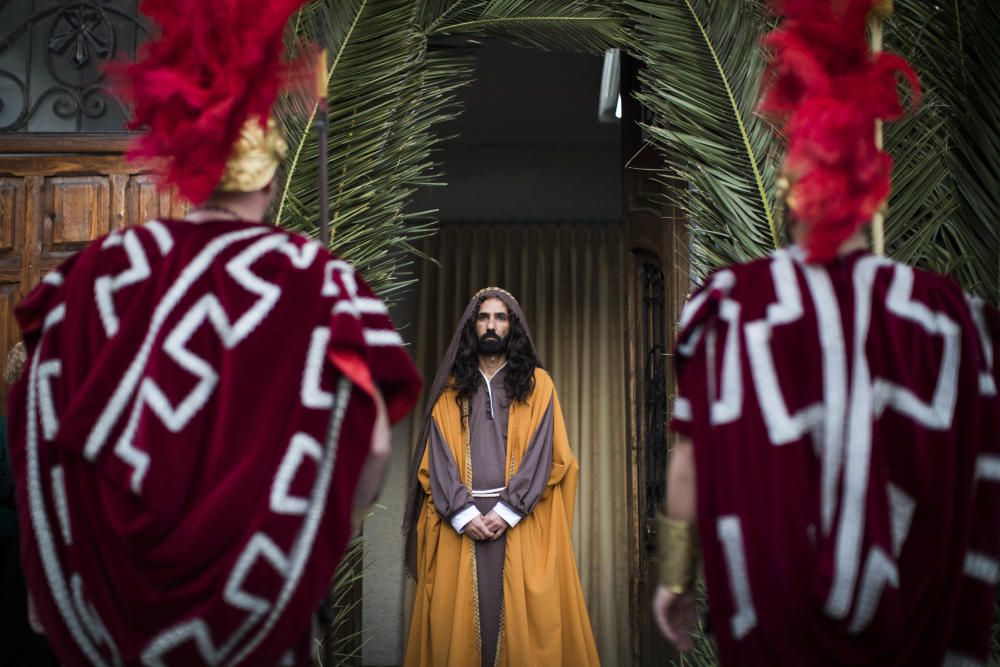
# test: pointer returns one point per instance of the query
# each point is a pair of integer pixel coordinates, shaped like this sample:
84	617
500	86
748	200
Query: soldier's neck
854	243
246	207
490	364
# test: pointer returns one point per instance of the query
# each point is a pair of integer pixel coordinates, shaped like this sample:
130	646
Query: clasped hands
486	527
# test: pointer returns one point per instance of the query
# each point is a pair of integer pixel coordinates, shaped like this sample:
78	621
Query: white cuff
682	409
465	516
507	514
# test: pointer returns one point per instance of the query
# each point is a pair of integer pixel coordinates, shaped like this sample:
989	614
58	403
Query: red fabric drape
184	493
845	426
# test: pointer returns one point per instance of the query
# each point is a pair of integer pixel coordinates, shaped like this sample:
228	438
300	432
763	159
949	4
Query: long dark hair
521	360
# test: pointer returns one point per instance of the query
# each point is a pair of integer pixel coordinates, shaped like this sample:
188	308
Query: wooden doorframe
654	236
46	143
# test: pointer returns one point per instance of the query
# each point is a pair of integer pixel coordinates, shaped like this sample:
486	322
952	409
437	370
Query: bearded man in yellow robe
491	507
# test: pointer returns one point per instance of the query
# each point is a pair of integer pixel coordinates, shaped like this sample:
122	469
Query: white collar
489	379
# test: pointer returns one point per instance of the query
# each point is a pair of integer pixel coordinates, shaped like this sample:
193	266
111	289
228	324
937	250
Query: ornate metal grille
52	58
653	332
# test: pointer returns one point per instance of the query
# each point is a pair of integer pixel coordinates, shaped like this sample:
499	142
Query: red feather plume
214	64
826	88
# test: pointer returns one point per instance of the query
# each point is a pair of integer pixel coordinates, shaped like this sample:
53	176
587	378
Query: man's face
492	326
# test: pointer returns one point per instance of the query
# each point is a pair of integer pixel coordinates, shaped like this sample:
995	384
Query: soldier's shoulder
725	280
932	280
930	286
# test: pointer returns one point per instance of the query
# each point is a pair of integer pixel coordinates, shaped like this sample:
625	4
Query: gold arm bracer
678	553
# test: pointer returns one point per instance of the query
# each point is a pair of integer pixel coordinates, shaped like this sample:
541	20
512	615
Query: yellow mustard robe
544	620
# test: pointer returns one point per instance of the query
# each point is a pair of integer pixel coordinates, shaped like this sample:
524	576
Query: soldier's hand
478	530
676	616
372	474
496	524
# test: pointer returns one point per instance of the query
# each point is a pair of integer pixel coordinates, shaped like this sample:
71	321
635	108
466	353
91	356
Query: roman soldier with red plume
206	401
838	454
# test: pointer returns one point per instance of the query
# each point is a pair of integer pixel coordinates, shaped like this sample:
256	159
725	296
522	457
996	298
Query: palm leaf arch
392	80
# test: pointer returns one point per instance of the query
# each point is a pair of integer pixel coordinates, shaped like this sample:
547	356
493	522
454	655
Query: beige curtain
568	279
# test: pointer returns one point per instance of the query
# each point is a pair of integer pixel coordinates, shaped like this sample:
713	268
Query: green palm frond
704	652
432	13
385	92
343	608
701	81
590	26
703	65
923	202
977	151
946	194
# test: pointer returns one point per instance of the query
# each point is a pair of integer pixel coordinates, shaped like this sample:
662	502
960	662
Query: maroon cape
847	442
186	440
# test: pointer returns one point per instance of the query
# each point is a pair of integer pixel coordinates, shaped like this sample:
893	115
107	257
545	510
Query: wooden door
63	178
656	283
58	193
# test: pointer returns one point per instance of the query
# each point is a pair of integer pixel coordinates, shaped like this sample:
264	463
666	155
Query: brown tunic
489	412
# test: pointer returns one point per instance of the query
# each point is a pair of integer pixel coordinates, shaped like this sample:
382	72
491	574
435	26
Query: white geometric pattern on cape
81	619
843	415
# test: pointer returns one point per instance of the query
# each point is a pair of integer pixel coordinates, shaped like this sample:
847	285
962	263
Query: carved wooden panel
9	332
11	190
79	211
12	266
145	202
11	228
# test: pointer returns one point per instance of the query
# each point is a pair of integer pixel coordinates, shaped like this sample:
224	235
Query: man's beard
490	343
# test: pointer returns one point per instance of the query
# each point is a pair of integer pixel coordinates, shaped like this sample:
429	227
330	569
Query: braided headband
487	290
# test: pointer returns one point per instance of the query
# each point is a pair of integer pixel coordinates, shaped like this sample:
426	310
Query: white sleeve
465	516
507	514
